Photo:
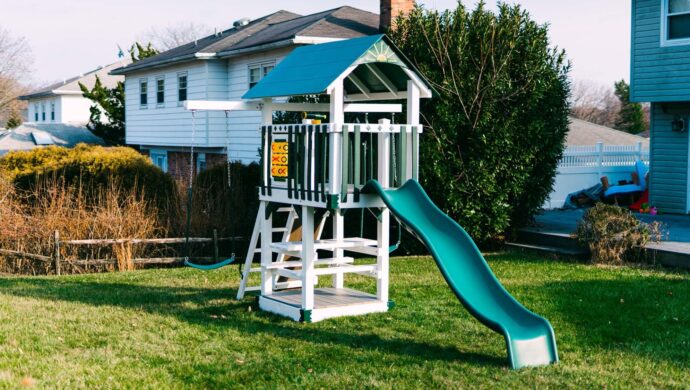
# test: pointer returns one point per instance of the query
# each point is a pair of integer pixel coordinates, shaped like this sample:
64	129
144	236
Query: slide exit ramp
529	338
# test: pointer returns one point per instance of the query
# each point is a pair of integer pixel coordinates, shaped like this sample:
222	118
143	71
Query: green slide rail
529	338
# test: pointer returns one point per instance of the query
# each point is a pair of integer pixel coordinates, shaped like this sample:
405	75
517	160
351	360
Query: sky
69	37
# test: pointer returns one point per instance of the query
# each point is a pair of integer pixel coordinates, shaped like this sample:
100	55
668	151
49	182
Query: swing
187	261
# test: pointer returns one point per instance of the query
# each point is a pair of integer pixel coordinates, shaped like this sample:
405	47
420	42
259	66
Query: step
549	239
346	243
296	264
368	269
553	250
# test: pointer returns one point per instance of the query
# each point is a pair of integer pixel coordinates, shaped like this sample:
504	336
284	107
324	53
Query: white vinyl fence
583	166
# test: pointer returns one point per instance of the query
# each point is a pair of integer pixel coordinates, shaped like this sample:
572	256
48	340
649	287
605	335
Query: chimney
390	10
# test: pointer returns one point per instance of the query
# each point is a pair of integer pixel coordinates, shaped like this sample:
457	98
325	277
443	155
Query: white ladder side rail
254	247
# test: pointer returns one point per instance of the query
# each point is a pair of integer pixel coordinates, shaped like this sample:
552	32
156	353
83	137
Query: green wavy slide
529	338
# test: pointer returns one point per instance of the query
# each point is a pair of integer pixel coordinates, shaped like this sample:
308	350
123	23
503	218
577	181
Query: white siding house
63	103
222	66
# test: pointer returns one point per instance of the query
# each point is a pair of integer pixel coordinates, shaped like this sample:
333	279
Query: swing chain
227	147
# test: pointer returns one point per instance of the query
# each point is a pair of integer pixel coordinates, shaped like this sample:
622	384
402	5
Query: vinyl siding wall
658	74
244	125
168	124
170	127
669	163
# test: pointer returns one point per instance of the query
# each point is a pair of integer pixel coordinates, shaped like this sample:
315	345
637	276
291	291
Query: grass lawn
615	327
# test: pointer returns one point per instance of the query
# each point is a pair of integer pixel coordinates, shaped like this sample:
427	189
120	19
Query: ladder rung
279	230
289	264
285	210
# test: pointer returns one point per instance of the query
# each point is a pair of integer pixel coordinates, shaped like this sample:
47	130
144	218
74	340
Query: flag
120	53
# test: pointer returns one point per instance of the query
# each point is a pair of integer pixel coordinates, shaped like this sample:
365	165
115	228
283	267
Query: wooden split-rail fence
57	260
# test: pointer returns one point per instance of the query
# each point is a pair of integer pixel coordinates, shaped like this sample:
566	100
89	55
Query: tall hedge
91	168
497	123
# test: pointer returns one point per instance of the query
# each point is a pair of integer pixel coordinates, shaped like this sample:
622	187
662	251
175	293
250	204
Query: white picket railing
583	166
601	155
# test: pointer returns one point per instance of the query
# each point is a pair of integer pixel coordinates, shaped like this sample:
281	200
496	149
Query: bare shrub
110	212
614	235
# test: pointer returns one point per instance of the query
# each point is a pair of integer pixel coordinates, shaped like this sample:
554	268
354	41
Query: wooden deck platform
328	303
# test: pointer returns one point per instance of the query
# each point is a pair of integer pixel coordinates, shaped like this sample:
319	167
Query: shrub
231	209
110	212
90	168
496	126
613	234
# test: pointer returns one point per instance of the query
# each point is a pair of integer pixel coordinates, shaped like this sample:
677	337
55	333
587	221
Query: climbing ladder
255	247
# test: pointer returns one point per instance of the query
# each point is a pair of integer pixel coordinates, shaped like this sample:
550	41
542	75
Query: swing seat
211	267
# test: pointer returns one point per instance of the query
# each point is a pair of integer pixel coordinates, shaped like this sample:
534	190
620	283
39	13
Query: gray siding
669	164
658	74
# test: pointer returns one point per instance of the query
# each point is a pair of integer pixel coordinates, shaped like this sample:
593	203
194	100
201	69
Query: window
259	71
200	162
143	93
52	111
43	112
160	159
35	112
160	91
182	87
676	22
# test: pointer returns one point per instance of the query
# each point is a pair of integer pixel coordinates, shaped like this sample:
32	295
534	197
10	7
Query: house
224	66
660	75
63	102
583	133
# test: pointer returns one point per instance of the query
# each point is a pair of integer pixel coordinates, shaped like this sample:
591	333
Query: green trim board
310	70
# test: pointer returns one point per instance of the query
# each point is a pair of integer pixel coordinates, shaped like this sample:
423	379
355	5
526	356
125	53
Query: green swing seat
210	267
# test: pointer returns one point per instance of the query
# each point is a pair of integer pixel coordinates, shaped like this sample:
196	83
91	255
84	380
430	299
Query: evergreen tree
495	129
631	117
14	121
107	118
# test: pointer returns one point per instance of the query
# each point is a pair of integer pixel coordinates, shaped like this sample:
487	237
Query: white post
413	98
600	157
267	112
338	235
383	225
266	253
308	257
337	118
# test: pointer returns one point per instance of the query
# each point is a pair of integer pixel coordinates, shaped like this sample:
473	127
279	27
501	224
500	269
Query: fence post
639	151
600	158
215	244
56	252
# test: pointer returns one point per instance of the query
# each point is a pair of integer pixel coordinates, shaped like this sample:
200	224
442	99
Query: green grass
176	328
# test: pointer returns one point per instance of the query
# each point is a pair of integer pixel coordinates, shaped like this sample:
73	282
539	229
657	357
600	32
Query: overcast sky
68	37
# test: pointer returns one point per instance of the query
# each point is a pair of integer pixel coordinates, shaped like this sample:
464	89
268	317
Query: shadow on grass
175	302
645	315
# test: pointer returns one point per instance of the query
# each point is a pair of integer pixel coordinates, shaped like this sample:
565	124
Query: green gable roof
310	70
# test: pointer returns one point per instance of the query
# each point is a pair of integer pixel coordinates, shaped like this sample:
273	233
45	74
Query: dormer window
676	22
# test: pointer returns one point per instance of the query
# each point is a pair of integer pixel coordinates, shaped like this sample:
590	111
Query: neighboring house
63	102
583	133
224	66
660	75
593	151
36	135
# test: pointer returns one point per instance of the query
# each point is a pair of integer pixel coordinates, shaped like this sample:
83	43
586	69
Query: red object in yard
643	199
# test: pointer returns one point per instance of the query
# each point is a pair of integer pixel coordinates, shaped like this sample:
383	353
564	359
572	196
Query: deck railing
322	163
601	155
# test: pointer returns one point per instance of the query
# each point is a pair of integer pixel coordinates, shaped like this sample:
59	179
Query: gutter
123	71
298	40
